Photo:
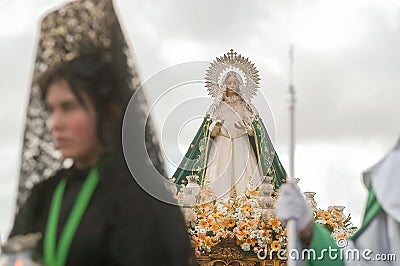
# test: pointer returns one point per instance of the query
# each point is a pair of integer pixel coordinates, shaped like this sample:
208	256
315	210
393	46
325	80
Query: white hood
385	178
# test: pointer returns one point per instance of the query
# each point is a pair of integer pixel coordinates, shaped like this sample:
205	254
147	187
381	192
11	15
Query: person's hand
216	125
239	125
292	205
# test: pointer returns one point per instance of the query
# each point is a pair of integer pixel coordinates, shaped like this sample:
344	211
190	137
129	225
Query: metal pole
292	123
291	225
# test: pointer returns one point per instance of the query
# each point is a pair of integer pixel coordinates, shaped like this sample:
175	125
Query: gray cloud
354	94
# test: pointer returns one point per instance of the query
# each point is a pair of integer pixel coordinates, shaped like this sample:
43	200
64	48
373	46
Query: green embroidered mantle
195	160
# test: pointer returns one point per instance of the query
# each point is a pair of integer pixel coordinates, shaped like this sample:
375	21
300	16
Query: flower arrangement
255	229
335	221
241	216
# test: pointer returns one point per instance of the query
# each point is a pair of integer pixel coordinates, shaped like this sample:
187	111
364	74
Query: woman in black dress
91	212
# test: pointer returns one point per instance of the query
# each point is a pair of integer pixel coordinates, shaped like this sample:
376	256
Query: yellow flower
268	233
342	235
329	222
203	223
229	222
251	241
253	223
203	205
247	208
275	246
214	227
202	236
274	222
218	215
209	241
241	234
196	244
204	214
326	215
263	226
242	225
253	192
211	206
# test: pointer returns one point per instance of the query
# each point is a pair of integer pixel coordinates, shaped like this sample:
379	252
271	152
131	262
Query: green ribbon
57	255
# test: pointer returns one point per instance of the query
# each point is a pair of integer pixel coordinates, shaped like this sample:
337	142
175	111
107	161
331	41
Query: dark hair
98	79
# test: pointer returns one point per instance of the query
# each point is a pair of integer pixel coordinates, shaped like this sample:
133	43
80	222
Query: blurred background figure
75	188
377	242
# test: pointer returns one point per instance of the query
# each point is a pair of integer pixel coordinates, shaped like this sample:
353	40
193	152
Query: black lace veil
76	29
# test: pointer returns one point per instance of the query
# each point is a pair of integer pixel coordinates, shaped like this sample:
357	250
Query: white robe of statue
232	162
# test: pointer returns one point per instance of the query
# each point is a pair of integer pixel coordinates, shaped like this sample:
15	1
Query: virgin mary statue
232	149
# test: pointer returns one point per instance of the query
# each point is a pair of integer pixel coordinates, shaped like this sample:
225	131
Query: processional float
240	227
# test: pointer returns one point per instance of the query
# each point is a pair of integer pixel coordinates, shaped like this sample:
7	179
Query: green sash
322	238
56	255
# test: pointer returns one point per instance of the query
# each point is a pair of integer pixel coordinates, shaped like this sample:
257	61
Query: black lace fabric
78	28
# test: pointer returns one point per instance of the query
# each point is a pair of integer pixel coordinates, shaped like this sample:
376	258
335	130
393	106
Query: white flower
245	247
262	242
256	234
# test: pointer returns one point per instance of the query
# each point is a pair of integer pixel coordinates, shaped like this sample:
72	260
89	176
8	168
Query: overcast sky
347	65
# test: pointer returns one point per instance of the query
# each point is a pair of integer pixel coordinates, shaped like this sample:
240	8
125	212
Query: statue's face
230	92
232	83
